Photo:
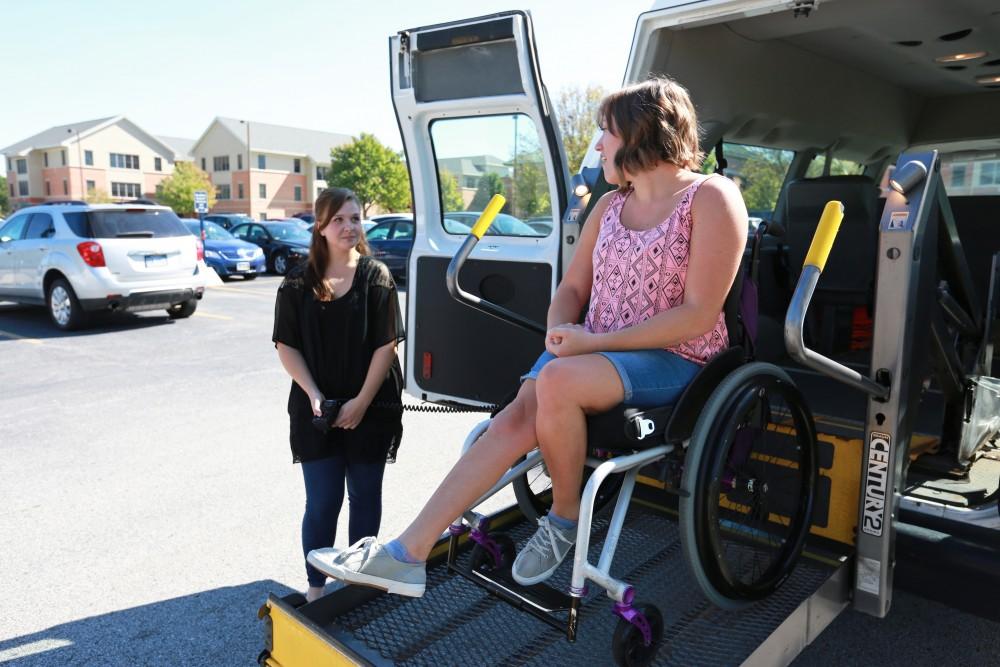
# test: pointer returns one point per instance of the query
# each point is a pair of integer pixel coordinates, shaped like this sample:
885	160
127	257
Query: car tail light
201	251
92	253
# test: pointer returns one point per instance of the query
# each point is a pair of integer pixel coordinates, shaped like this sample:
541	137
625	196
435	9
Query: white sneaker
543	553
367	563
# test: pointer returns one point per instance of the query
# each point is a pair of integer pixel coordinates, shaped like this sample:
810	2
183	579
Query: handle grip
488	215
826	233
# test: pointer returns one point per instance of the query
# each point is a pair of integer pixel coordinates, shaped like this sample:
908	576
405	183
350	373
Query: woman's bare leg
511	434
568	389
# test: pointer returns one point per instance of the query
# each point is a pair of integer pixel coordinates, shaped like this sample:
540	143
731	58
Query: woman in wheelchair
656	260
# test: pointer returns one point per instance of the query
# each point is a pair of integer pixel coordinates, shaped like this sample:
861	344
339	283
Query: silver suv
79	258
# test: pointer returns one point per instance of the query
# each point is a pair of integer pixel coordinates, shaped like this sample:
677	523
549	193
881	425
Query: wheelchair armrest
688	406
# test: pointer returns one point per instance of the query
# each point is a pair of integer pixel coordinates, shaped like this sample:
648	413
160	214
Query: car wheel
184	309
64	308
280	263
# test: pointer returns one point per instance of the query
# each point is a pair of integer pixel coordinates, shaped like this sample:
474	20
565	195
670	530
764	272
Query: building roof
182	147
268	138
57	136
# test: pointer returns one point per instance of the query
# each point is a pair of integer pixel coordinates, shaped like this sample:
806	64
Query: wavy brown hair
656	122
327	204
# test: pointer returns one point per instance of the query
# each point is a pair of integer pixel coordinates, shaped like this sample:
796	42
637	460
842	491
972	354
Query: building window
10	165
48	189
22	188
157	164
321	173
220	163
958	175
222	192
239	191
126	190
22	166
298	193
989	174
262	162
262	188
11	189
297	166
45	158
91	186
239	162
65	187
319	191
203	164
159	189
88	158
122	161
63	156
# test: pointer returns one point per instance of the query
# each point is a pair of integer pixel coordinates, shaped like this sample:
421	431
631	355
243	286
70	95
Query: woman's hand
316	402
351	413
567	340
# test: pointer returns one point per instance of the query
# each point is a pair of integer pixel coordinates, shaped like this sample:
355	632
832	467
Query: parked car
226	254
390	242
80	258
390	217
541	224
228	220
503	224
285	244
308	217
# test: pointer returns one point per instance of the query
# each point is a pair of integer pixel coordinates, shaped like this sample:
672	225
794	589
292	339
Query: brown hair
656	122
327	204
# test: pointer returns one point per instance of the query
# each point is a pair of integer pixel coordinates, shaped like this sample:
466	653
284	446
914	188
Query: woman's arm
353	411
295	365
574	289
718	238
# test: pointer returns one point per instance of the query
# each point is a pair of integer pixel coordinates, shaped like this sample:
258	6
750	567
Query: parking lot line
198	313
20	339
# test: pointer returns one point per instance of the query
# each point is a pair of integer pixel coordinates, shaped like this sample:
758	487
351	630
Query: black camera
328	409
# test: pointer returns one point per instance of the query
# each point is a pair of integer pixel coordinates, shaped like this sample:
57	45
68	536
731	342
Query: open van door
476	120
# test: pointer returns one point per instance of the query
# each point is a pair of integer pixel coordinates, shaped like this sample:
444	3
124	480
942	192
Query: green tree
375	173
762	175
576	113
451	196
530	186
177	190
4	200
97	196
489	184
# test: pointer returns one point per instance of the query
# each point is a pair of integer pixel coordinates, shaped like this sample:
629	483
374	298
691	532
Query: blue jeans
650	377
324	481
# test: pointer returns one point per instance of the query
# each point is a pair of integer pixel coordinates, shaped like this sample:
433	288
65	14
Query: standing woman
336	326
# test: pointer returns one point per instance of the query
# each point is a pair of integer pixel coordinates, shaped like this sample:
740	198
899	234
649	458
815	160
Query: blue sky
172	67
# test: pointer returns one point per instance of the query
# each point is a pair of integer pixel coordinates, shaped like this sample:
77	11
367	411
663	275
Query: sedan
228	220
503	224
285	244
226	254
390	243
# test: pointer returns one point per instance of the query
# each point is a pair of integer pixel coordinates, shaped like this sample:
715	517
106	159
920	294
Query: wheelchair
738	449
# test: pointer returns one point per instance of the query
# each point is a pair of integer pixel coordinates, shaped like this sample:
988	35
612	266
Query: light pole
249	191
79	158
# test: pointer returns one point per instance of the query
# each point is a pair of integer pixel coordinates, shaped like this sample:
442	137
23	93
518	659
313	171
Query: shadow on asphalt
33	322
217	627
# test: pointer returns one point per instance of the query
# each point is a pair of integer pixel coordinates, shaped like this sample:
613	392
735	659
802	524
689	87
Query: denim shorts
650	377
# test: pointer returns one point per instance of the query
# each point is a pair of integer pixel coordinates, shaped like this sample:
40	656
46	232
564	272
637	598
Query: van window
759	172
971	173
838	167
482	156
138	223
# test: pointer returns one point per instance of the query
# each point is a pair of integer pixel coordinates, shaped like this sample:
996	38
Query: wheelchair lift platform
456	622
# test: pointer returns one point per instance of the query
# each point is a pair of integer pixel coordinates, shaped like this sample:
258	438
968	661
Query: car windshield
503	224
213	232
125	223
288	231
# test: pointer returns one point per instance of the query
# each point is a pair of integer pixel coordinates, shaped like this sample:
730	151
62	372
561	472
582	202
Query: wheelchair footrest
535	598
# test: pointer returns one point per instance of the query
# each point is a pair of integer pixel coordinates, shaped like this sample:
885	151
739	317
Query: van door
476	120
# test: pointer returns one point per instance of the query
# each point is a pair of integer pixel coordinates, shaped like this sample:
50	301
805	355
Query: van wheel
181	310
64	308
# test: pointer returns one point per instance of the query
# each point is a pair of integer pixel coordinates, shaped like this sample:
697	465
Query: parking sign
200	201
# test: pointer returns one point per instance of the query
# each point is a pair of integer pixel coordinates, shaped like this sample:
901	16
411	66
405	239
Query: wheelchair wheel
628	645
533	490
748	486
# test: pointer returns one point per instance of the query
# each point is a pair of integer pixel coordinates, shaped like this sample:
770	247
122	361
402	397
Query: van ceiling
841	77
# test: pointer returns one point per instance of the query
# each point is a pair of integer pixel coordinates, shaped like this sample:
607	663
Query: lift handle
451	277
812	268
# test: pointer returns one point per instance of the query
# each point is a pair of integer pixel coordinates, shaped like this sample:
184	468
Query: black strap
720	159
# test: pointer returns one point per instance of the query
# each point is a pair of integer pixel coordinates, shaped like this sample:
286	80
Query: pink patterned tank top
640	274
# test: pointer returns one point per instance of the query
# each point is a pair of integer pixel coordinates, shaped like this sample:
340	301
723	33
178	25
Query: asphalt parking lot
149	503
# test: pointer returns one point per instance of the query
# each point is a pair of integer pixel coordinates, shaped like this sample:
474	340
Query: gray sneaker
368	563
543	553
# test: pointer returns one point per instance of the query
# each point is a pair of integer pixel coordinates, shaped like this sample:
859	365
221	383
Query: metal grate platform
458	623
